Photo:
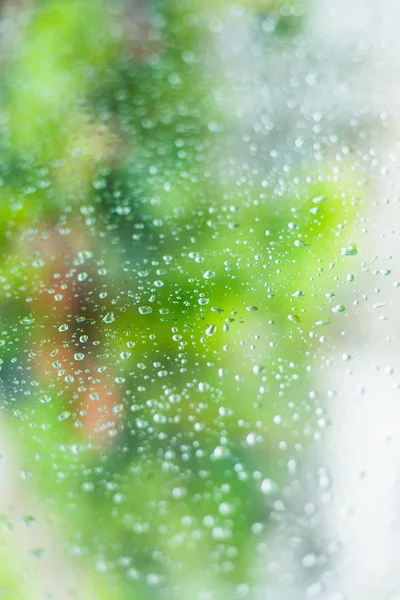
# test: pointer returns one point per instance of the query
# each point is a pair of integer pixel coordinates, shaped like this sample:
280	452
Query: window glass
199	228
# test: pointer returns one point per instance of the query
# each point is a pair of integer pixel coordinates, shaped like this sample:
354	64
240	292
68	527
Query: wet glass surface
199	220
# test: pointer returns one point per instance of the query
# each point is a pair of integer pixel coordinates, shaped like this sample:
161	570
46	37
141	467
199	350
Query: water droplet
379	305
27	321
109	318
174	398
123	210
208	274
38	263
300	244
203	387
267	486
339	308
294	318
99	184
145	310
45	399
211	330
351	250
309	560
225	509
178	493
64	415
251	439
220	452
29	520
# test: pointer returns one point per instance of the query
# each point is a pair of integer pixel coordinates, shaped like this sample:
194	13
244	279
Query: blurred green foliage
184	283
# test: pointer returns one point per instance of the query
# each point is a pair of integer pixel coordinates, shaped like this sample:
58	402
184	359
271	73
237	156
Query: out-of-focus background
198	326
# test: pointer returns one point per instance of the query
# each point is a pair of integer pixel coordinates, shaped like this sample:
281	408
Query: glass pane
198	327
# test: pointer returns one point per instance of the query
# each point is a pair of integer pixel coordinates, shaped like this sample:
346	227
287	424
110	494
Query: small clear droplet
123	210
294	318
27	321
300	244
351	250
64	415
267	486
339	308
109	318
